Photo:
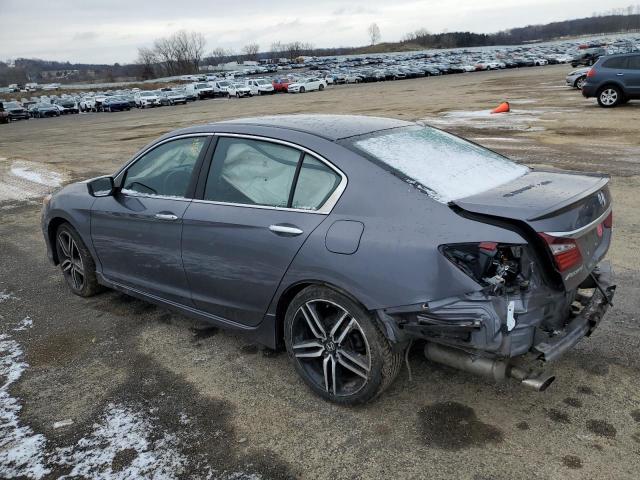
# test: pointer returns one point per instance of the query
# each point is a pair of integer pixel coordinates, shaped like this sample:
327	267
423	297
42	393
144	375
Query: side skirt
264	332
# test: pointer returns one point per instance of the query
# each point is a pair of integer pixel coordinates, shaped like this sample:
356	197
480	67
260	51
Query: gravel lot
112	387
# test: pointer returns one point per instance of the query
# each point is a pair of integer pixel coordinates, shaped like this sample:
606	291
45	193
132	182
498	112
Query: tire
237	95
76	262
579	83
301	90
321	87
609	96
345	359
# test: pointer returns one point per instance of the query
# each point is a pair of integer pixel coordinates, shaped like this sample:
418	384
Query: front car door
137	231
261	200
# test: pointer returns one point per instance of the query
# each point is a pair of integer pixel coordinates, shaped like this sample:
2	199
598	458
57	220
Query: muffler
498	370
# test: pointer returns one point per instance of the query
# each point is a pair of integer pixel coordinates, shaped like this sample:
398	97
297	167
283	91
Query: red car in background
281	84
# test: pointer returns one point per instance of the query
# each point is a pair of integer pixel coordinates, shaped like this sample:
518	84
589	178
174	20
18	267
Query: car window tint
251	172
620	62
166	170
316	182
634	62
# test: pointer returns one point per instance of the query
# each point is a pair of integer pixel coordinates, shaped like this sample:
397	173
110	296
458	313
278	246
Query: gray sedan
346	239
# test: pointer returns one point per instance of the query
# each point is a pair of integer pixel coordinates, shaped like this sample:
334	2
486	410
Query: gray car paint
396	264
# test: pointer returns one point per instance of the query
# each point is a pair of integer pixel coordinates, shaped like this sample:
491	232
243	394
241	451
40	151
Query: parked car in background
147	99
87	104
4	115
201	89
42	110
115	104
588	56
16	111
307	85
238	90
220	87
280	84
68	105
576	78
260	86
614	79
207	221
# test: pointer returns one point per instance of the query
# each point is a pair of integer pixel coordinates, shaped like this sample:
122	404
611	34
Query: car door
632	76
260	201
137	231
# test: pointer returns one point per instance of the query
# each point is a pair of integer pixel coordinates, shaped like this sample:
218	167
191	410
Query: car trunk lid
566	215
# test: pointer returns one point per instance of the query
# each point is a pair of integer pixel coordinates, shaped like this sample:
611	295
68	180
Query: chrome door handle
620	74
286	230
166	216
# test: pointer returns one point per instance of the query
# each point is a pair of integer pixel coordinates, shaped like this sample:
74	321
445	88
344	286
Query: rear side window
316	182
255	172
251	172
634	62
620	62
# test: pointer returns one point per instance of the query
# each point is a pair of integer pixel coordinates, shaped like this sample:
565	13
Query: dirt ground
143	392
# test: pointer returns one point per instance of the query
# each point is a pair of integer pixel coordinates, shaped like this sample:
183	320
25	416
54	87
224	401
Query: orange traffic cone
502	108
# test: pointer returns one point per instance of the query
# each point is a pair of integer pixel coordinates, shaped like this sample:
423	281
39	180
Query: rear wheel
337	348
76	262
609	96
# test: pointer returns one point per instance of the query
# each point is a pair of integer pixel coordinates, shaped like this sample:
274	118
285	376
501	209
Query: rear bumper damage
488	334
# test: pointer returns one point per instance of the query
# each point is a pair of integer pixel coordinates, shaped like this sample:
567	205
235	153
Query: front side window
448	167
251	172
166	170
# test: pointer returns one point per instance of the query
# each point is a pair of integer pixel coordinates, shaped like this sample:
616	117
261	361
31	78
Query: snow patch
516	119
43	177
24	324
4	296
124	429
25	180
21	450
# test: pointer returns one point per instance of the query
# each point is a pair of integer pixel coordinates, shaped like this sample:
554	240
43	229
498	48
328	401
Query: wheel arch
611	83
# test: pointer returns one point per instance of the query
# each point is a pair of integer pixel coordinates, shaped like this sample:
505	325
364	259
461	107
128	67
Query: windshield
447	166
202	85
223	84
12	105
147	94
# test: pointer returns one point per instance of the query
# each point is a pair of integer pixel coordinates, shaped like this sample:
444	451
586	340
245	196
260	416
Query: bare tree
251	51
218	55
374	33
147	59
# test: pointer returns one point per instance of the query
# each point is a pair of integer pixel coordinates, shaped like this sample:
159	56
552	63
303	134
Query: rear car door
632	76
260	200
137	231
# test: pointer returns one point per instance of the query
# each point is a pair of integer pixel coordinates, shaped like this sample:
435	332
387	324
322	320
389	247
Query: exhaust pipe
498	370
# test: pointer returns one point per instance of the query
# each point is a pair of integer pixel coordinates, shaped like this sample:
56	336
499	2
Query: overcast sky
107	31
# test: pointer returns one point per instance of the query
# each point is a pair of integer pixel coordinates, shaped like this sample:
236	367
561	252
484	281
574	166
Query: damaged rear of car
539	284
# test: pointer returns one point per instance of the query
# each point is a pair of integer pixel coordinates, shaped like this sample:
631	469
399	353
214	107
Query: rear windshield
446	166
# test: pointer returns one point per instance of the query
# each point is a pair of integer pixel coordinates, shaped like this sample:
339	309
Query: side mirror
101	187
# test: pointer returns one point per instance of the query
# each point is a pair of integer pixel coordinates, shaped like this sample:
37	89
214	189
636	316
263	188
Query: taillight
591	72
608	222
565	251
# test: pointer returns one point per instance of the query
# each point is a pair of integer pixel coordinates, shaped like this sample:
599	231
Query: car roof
330	127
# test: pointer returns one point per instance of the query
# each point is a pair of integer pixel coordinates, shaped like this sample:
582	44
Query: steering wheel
176	183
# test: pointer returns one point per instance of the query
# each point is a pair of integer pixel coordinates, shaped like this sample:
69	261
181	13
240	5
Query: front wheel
580	82
321	87
301	89
337	348
76	262
609	97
